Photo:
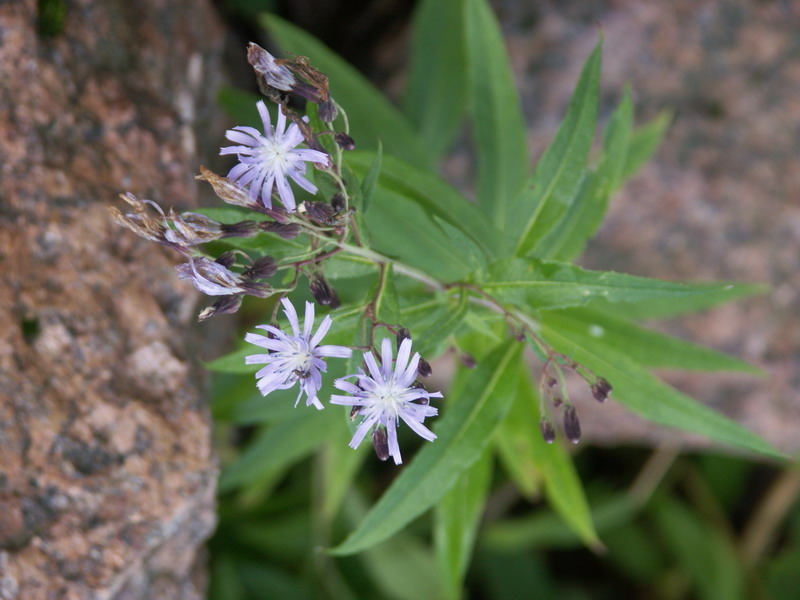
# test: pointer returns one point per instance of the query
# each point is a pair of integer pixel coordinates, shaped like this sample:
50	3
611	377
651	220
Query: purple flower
269	159
215	279
386	395
295	357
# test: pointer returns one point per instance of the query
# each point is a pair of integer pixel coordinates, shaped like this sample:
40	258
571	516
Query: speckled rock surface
106	471
721	200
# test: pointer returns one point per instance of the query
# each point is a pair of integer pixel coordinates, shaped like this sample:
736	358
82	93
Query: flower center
277	155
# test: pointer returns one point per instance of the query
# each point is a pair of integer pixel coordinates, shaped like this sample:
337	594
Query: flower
216	279
295	357
271	158
386	395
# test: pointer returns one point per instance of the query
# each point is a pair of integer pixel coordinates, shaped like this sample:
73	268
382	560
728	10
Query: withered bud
344	141
225	189
287	231
337	202
323	293
242	229
467	360
320	212
354	412
557	401
380	442
226	259
552	382
224	306
263	268
328	111
424	368
402	334
572	426
601	389
548	431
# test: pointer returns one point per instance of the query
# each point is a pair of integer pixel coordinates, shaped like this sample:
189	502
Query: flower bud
468	360
402	334
548	431
354	412
287	231
572	426
424	368
328	110
601	389
321	212
226	259
344	141
323	293
337	202
242	229
263	268
224	306
380	442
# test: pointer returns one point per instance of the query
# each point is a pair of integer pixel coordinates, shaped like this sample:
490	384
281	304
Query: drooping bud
572	426
287	231
468	360
557	401
402	334
601	389
224	306
226	259
424	368
552	382
344	141
380	442
242	229
215	279
548	431
323	293
354	412
264	268
337	202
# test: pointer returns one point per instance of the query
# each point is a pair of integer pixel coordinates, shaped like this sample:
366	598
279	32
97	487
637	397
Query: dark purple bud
552	382
287	231
572	426
226	259
548	431
424	368
402	334
328	110
557	401
224	306
337	202
322	292
354	412
321	212
344	141
381	443
468	360
601	389
263	268
242	229
520	336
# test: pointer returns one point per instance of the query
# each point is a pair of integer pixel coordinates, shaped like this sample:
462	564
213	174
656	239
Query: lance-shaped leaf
435	98
497	122
558	173
370	113
532	283
647	396
463	433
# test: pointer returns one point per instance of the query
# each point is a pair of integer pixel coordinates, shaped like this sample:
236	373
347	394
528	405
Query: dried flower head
216	279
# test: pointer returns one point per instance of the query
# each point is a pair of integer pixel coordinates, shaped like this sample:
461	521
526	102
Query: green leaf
647	396
370	114
497	121
429	337
644	142
468	248
434	195
233	362
457	518
435	98
240	106
558	173
648	348
711	294
531	283
586	213
371	179
340	464
463	432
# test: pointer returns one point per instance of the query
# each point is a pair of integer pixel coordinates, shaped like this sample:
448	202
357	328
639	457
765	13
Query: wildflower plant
341	202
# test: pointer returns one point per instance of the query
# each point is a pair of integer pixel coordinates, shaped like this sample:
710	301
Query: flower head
270	159
296	357
214	278
386	395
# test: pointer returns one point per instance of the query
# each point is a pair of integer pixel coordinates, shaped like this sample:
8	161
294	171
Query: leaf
558	173
240	106
469	249
434	195
430	337
539	285
340	464
648	348
457	518
644	142
234	361
435	98
371	116
463	433
586	213
387	303
497	122
645	395
371	179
